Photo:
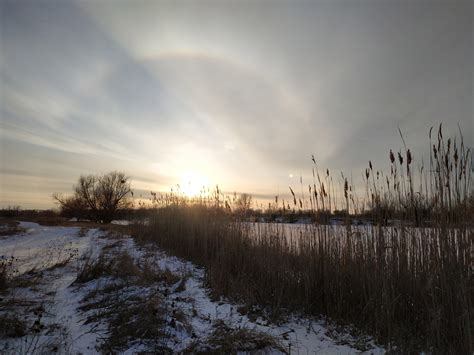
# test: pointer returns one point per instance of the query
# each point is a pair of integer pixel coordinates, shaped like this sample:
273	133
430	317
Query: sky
235	93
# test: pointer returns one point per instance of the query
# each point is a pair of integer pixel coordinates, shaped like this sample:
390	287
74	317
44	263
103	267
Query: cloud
242	94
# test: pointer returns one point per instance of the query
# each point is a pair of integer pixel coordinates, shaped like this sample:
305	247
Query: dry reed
409	286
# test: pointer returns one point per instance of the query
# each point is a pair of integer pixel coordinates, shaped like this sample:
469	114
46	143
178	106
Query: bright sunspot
193	183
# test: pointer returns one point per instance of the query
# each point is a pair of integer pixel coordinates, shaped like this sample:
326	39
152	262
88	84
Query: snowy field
87	291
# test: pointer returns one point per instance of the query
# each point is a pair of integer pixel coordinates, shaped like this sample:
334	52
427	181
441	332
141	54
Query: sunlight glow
193	183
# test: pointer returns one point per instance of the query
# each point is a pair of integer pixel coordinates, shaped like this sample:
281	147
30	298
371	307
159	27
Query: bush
97	197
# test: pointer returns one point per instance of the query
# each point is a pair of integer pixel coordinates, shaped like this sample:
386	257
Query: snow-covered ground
299	335
48	260
121	222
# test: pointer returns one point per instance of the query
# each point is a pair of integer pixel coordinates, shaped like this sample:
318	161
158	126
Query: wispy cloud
243	93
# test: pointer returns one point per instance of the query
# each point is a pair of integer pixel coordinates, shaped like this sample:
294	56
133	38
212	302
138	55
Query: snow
299	334
121	222
40	248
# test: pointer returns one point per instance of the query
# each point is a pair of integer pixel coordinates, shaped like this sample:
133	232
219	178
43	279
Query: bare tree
244	204
100	197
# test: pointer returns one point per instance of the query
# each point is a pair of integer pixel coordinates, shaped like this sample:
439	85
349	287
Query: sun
193	183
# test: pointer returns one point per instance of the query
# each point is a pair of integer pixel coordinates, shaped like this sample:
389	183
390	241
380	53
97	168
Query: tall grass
410	287
443	193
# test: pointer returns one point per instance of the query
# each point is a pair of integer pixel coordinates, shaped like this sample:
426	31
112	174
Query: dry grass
228	340
133	319
11	326
405	285
6	271
134	311
8	228
120	266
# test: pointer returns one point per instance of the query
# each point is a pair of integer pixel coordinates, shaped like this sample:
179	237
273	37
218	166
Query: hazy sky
238	93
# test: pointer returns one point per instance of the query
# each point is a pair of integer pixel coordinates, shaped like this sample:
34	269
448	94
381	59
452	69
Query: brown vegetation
97	197
407	286
130	316
228	340
6	271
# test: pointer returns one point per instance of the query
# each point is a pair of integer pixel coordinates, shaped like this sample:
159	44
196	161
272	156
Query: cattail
294	197
370	165
408	157
346	187
435	152
400	158
392	157
367	174
456	157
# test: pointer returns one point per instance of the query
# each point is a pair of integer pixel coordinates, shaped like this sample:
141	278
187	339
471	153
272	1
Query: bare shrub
243	205
98	197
